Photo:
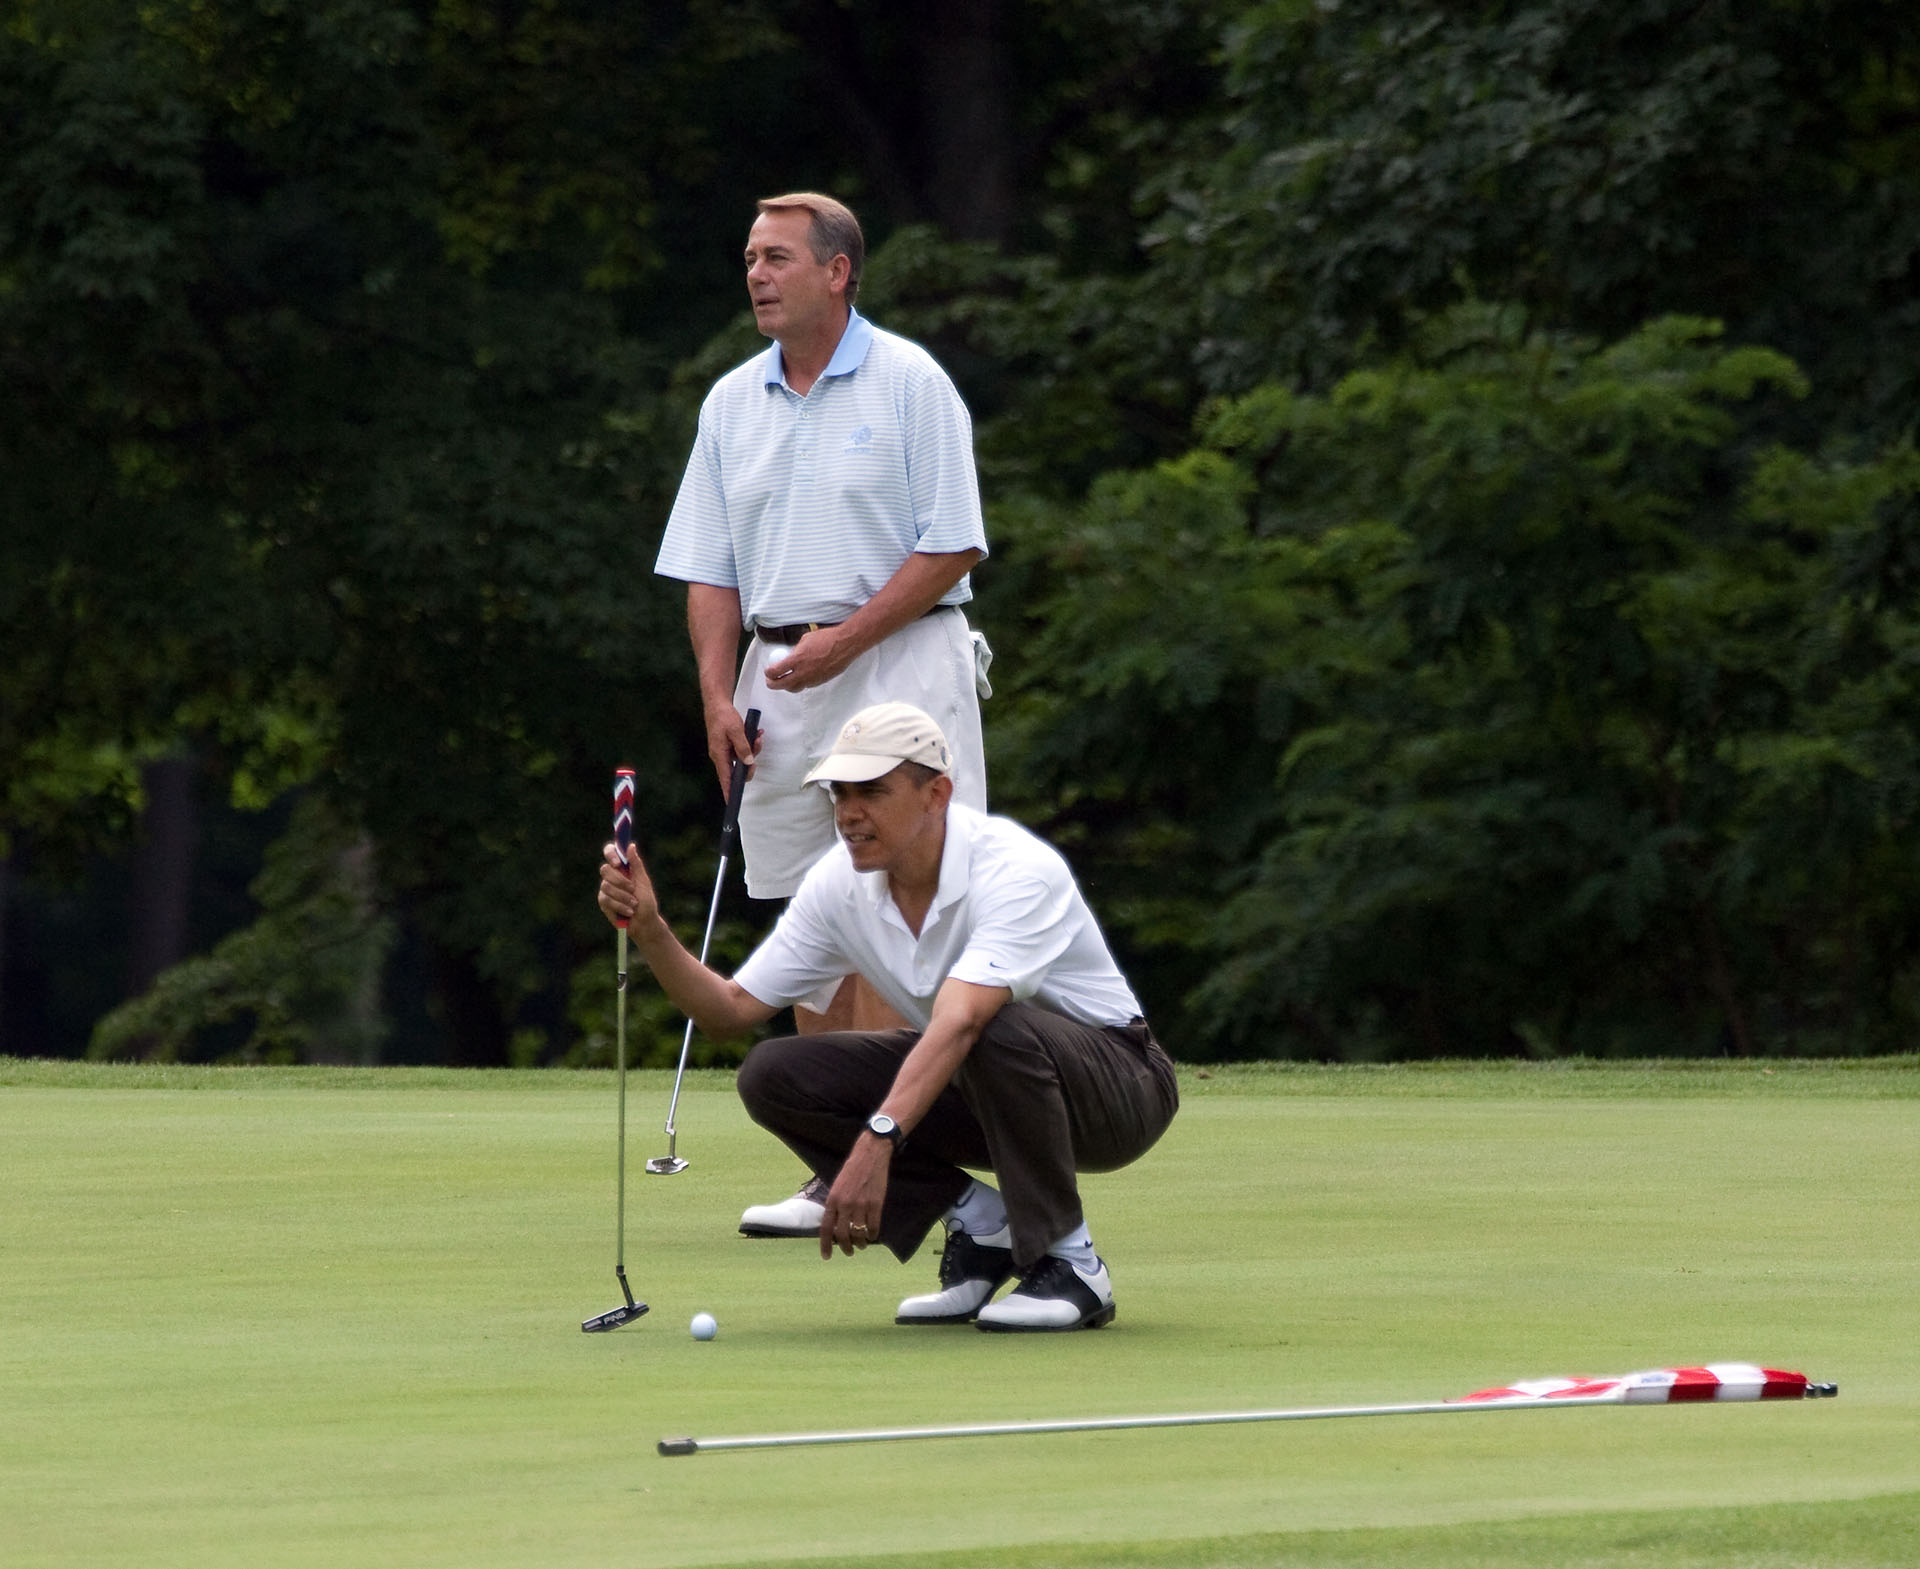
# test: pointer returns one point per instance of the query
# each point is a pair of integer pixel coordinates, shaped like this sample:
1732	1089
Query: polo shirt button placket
803	442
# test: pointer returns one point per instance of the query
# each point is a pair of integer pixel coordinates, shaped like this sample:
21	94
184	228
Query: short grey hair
834	232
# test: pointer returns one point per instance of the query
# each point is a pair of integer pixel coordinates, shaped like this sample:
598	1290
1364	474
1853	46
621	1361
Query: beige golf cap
878	740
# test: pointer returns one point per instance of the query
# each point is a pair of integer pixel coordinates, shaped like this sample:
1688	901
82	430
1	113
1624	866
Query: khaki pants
786	824
1038	1099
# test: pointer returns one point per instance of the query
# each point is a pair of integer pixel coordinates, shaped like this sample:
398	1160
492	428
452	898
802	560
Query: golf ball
703	1326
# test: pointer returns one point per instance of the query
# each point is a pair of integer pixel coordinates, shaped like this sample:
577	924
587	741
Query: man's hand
919	584
726	741
626	892
816	659
852	1218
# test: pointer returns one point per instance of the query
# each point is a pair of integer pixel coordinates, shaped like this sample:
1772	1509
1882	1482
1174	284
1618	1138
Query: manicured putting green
298	1317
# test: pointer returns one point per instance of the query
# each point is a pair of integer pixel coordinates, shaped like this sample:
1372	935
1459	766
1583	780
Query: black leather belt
789	635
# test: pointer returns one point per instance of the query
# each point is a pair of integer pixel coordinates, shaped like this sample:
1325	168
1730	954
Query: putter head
665	1166
624	1314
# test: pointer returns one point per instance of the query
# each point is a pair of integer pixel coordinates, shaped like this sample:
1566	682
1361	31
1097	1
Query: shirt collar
956	858
848	354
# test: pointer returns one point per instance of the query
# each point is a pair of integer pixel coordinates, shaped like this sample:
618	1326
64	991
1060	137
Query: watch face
883	1125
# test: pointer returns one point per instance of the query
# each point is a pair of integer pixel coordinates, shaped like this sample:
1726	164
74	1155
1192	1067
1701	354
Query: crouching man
1027	1057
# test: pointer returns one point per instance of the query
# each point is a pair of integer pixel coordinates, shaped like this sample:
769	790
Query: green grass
330	1317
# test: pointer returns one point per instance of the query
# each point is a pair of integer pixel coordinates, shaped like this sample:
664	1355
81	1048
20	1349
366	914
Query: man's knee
768	1075
813	1072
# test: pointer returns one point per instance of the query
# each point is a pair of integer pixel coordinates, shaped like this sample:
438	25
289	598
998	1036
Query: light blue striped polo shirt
809	505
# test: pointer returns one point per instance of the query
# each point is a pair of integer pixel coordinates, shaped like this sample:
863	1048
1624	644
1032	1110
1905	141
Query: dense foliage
1450	473
1500	699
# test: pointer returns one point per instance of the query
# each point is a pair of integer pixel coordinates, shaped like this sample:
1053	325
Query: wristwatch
881	1126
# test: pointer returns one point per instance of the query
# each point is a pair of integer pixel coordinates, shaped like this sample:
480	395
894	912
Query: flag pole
1618	1393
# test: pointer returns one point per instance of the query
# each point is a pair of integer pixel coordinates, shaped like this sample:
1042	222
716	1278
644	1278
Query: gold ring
858	1227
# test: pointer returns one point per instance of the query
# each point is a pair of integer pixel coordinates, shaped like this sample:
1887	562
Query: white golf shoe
971	1270
798	1216
1053	1295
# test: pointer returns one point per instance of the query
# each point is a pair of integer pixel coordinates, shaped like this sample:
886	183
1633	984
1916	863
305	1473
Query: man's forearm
960	1012
852	1216
718	1006
713	628
920	583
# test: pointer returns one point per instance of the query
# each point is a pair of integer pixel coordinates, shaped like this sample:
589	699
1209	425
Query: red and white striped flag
1715	1381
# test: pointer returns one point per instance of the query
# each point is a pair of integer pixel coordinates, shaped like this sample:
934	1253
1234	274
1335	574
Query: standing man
1025	1056
831	510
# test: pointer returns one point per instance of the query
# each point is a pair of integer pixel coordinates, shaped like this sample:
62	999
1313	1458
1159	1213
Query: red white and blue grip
623	816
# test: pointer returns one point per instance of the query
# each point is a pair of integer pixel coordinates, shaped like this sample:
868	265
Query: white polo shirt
1007	913
809	505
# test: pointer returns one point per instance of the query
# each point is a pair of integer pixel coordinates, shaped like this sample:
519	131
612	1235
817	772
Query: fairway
331	1317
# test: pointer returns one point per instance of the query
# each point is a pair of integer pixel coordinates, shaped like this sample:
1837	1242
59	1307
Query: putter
670	1164
613	1318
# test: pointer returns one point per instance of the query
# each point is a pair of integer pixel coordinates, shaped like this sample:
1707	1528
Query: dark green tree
1598	163
1503	699
316	470
353	350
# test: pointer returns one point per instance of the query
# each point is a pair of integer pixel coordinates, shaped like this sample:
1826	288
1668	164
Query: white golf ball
703	1326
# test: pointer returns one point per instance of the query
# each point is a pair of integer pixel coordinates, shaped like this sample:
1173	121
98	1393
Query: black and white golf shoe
1054	1295
798	1216
970	1272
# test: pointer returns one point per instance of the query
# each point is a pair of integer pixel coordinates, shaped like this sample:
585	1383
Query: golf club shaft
620	1059
686	1040
629	1310
729	829
623	842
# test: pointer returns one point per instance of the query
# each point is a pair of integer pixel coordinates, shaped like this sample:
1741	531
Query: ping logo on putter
614	1318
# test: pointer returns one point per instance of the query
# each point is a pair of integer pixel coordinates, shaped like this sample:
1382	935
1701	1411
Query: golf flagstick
623	838
670	1164
1719	1382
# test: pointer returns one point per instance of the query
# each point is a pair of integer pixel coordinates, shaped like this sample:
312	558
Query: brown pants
1037	1100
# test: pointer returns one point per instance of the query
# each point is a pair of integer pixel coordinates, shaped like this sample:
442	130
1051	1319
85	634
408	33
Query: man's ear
838	271
942	788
